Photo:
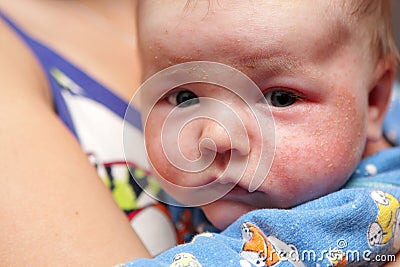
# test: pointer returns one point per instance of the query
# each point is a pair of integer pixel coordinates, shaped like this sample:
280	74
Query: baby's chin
222	213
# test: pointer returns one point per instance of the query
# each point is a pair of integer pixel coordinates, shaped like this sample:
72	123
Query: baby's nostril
207	144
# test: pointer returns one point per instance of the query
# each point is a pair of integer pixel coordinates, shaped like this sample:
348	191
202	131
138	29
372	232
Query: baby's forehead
191	9
177	31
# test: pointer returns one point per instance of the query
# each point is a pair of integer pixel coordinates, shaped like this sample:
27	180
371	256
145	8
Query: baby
305	159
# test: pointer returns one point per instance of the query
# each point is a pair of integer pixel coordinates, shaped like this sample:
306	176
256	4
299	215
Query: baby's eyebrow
273	63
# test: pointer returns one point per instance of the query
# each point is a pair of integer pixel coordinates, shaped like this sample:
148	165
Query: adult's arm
54	210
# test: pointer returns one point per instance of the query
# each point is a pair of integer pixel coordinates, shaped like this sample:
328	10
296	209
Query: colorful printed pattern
386	226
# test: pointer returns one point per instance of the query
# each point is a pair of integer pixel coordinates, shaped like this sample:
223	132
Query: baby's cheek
165	172
170	154
154	148
316	164
302	174
336	140
338	146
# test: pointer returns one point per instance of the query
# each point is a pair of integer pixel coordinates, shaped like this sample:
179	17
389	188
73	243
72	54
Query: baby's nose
217	138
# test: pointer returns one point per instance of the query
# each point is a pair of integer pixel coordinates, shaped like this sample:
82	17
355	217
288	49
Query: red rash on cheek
317	156
353	122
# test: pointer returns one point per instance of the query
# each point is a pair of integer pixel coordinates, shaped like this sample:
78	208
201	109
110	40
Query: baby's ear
379	96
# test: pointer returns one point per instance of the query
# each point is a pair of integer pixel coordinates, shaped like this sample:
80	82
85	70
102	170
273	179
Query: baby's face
312	72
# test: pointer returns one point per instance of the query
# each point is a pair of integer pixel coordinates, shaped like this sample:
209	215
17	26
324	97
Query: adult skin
50	194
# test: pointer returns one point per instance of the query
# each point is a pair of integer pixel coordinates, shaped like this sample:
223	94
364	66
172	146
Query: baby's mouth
239	194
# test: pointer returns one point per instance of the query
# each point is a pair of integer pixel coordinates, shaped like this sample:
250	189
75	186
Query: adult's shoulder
20	72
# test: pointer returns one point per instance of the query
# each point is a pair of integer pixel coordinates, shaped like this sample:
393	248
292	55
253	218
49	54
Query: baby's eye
183	98
280	98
